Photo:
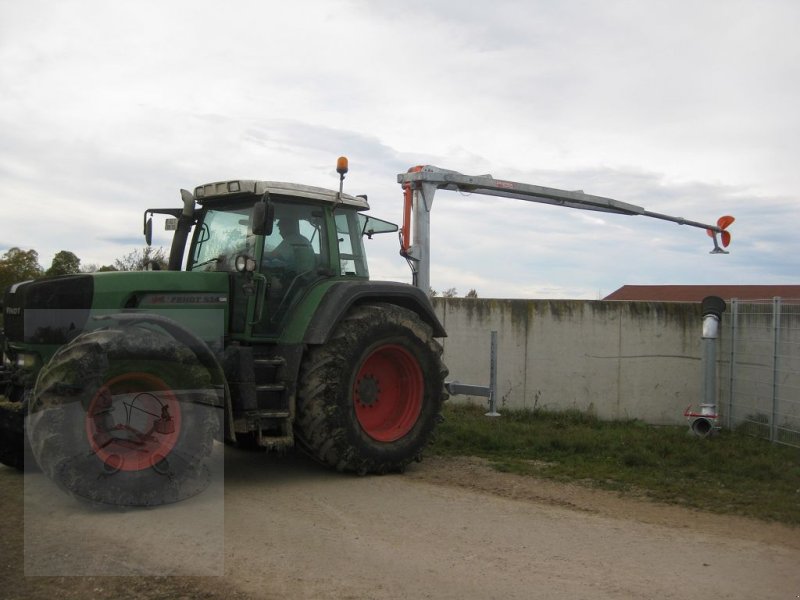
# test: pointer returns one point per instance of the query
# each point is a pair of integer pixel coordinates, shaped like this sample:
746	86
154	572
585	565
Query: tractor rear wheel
369	399
124	417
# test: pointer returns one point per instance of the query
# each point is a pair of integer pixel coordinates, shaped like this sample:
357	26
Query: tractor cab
277	240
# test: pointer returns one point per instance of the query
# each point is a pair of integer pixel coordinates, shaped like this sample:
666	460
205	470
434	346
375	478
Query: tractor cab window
222	235
295	243
352	258
294	257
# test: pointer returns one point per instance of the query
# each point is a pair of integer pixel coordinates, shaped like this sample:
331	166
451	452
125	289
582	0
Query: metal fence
760	388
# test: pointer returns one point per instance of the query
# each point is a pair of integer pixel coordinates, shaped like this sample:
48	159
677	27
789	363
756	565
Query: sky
685	108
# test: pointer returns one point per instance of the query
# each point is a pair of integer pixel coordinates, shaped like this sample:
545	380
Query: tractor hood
53	310
137	289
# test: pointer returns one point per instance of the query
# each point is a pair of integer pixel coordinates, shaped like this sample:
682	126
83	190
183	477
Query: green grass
730	472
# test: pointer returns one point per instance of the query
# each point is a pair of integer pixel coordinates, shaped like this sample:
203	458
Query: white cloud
683	108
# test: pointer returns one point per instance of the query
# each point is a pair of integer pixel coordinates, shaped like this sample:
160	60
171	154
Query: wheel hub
388	392
368	390
133	422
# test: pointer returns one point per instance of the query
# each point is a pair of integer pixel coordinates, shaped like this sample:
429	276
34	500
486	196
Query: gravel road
448	528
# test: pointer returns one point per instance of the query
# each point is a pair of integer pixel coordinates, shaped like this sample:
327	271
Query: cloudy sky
687	108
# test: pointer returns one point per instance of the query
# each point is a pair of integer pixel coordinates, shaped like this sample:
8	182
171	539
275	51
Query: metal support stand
776	337
493	378
464	389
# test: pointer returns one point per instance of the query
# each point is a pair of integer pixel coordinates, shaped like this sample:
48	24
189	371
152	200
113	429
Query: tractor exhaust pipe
706	421
185	222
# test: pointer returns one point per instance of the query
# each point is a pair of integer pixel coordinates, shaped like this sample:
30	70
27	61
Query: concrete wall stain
676	313
682	316
476	309
560	309
521	314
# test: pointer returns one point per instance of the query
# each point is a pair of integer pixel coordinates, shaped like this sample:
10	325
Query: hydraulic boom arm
420	184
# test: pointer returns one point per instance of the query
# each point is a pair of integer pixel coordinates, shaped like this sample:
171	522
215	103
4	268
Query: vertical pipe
493	377
422	234
776	325
710	377
405	230
706	421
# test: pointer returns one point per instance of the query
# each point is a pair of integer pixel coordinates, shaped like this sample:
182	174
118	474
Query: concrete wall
619	360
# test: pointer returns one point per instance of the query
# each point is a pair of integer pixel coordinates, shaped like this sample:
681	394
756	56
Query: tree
473	293
64	263
448	293
138	259
93	268
19	265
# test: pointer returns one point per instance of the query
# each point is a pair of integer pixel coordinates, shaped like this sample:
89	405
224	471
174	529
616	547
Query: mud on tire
369	399
124	417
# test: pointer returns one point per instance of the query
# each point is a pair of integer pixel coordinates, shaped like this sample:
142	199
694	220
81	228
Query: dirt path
445	529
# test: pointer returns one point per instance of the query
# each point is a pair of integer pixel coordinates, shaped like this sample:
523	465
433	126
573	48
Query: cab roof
235	188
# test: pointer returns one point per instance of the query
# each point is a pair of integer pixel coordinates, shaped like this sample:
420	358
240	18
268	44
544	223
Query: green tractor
264	330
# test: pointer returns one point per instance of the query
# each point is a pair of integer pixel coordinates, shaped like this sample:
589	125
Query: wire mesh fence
760	369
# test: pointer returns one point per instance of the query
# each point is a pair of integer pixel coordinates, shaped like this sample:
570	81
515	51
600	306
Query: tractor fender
341	296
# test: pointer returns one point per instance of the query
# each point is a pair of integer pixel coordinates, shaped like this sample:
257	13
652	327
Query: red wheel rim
133	422
387	393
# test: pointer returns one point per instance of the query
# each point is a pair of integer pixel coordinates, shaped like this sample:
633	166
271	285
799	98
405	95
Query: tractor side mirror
263	216
148	231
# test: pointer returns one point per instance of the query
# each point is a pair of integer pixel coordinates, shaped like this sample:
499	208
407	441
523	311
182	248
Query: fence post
776	327
493	377
732	364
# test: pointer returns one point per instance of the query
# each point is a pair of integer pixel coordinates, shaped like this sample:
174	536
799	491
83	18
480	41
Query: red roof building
696	293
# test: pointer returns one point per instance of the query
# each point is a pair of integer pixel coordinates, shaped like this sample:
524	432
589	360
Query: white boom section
424	181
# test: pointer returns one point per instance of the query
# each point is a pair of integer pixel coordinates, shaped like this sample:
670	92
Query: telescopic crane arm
421	183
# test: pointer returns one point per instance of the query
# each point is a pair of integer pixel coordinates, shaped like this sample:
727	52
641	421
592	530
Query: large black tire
124	417
369	399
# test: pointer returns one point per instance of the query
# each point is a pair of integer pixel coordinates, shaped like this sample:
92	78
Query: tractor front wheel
124	417
370	398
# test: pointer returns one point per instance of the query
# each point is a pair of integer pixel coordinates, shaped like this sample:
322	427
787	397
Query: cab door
293	257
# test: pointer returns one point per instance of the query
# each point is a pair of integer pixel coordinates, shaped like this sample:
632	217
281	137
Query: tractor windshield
222	236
